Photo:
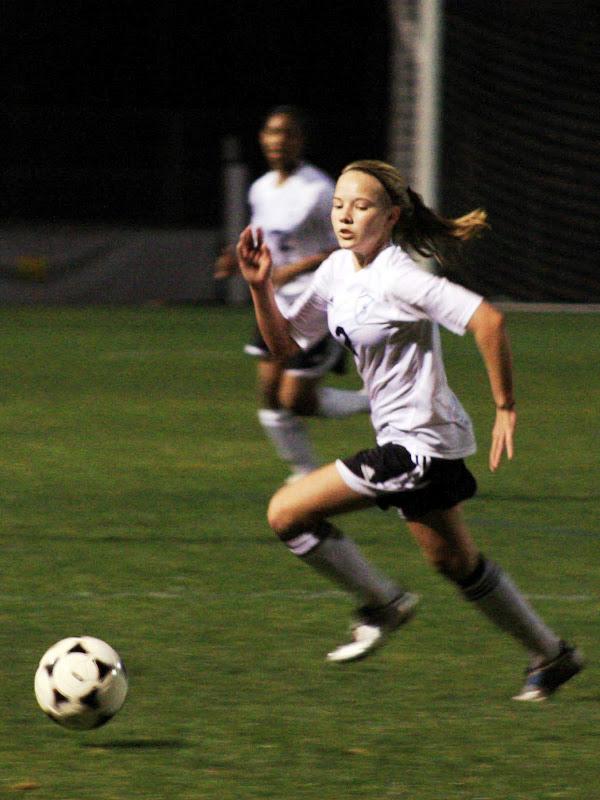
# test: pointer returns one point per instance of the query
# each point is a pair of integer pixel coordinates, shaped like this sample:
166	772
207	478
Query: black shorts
415	485
326	356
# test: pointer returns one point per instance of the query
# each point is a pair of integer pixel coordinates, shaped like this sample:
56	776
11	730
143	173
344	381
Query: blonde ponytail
419	228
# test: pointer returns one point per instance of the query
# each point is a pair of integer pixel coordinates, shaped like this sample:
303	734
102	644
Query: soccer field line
176	593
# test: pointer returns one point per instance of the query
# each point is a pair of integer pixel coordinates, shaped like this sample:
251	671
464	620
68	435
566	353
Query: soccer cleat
373	627
543	681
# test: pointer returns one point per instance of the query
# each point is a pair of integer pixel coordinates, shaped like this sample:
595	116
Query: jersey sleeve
434	298
308	315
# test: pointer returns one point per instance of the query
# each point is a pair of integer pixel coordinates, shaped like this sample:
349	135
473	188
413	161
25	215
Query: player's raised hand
254	257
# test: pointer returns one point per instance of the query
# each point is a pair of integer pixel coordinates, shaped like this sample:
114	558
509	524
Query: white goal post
415	94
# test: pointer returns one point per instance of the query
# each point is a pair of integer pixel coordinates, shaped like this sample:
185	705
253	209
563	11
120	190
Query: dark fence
521	137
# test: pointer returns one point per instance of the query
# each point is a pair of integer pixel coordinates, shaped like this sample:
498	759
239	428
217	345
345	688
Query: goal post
415	93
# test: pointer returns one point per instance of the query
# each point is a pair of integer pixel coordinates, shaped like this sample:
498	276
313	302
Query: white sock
340	403
338	558
288	434
496	596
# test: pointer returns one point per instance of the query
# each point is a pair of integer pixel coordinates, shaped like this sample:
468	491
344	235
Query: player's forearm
492	340
287	272
273	326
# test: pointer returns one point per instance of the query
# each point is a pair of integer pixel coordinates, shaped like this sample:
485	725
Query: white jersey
388	315
295	217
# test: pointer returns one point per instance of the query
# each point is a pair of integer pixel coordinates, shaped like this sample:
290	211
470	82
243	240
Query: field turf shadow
137	744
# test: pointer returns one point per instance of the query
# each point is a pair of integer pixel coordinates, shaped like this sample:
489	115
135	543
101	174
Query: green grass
134	481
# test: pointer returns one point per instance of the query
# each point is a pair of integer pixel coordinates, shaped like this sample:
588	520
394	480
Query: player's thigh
298	393
320	494
446	542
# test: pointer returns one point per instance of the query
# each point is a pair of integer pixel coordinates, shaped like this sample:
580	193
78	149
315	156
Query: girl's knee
298	397
280	516
300	406
286	518
451	564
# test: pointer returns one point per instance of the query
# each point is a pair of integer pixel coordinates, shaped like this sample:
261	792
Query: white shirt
388	313
296	220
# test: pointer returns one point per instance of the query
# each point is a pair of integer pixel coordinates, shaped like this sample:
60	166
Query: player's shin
289	436
327	550
496	596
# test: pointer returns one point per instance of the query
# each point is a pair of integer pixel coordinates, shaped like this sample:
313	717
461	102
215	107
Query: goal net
519	134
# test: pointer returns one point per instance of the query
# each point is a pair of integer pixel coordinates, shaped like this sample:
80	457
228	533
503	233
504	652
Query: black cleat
544	680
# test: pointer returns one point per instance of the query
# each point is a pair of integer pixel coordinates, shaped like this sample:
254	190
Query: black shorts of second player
415	485
326	356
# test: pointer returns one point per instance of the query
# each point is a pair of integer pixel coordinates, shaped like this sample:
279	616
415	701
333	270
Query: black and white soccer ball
81	682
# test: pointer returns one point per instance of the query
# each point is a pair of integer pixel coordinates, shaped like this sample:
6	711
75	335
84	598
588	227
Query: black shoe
544	680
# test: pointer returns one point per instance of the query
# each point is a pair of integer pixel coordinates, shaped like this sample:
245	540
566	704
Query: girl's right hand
254	257
226	264
503	435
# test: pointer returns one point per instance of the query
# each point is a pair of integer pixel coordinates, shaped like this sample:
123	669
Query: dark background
116	111
521	137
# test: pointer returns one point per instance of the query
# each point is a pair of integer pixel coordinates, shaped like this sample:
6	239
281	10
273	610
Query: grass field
134	482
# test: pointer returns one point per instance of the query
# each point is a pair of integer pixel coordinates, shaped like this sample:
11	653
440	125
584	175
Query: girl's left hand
503	436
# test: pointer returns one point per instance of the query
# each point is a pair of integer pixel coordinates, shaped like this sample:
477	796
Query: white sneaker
365	639
373	628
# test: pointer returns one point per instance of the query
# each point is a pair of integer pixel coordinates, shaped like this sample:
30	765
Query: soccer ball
81	682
